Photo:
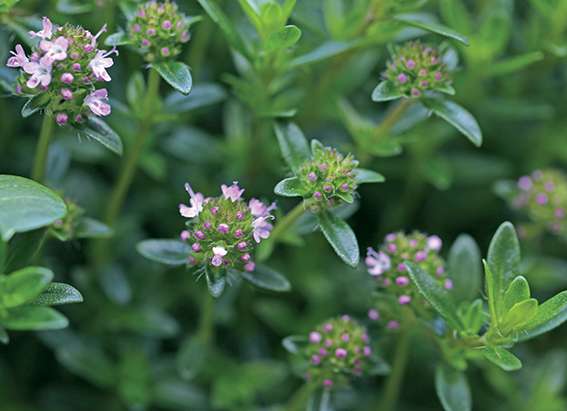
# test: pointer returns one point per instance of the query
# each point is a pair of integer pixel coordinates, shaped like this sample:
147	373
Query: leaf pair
175	253
24	297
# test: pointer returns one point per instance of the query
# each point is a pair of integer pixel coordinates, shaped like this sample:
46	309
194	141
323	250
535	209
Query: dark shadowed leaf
34	318
170	252
452	389
267	278
98	130
293	145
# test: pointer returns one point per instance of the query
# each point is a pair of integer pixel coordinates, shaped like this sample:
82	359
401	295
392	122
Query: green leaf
58	294
518	291
323	52
265	277
294	343
340	236
513	64
519	315
452	389
202	95
27	205
435	294
33	318
386	91
117	39
502	358
465	268
232	35
283	39
550	314
316	146
320	400
290	187
362	176
3	254
34	104
215	283
91	228
473	317
176	74
503	260
457	116
97	129
23	285
73	7
417	20
191	357
170	252
293	145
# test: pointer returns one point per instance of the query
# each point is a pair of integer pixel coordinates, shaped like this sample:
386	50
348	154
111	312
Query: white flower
377	263
46	31
40	73
196	199
100	63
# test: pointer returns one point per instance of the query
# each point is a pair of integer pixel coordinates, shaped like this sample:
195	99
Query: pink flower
259	209
250	266
262	228
19	58
434	243
55	50
196	199
219	253
314	337
46	31
233	192
100	63
373	314
377	263
40	73
97	102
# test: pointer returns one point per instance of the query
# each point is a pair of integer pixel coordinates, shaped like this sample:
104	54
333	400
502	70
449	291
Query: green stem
394	381
391	119
131	162
40	162
289	219
298	401
206	324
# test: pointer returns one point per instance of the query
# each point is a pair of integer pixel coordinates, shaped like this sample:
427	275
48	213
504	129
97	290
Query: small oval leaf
362	176
289	187
265	277
340	236
170	252
176	74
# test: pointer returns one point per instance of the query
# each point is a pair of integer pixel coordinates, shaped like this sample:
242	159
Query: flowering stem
394	381
40	162
206	325
289	219
300	398
391	119
127	174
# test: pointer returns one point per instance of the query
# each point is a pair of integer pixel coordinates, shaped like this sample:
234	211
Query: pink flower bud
245	258
317	195
373	314
340	353
223	228
200	235
402	78
146	43
402	280
250	267
61	118
312	177
136	28
327	383
448	284
196	247
66	94
404	299
151	32
67	78
314	337
410	64
238	233
241	245
185	235
166	25
76	67
165	51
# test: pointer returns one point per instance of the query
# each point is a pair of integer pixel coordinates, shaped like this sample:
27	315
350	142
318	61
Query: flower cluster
329	177
223	231
337	350
543	195
62	71
387	265
416	68
159	30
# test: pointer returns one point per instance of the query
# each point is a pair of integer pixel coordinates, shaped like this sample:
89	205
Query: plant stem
391	119
206	324
289	219
394	381
300	398
40	162
131	162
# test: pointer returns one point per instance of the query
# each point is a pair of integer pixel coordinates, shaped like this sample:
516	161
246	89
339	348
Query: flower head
159	30
543	197
223	231
416	68
388	266
328	178
337	351
65	66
